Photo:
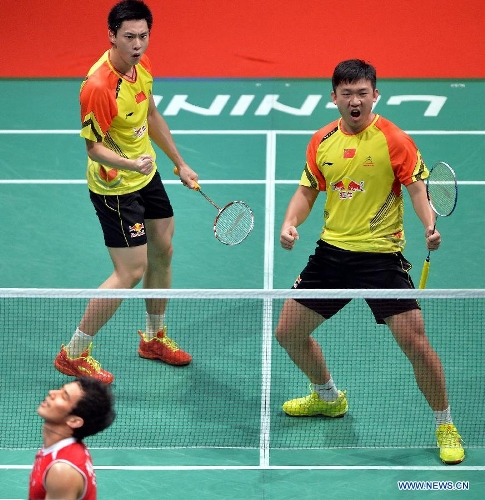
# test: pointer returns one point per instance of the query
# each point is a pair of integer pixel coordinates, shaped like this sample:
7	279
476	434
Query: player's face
59	403
131	41
354	102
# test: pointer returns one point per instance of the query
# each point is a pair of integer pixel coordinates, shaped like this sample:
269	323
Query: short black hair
128	10
95	407
353	70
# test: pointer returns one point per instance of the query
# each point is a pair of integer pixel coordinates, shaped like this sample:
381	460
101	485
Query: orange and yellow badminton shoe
313	405
163	348
83	366
449	442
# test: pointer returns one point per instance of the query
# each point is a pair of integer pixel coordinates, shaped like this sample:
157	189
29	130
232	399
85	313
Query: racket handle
196	186
424	275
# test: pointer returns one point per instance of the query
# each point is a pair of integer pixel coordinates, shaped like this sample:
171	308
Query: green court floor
196	433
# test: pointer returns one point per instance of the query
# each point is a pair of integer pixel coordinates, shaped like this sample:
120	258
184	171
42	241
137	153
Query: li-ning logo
138	229
326	163
347	187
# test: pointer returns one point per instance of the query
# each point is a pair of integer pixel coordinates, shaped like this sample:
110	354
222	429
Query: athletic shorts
332	268
122	217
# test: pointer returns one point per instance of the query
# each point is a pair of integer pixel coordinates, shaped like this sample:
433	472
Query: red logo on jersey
349	153
346	187
108	175
140	97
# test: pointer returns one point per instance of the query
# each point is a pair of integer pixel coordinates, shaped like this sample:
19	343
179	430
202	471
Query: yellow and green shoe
312	405
449	442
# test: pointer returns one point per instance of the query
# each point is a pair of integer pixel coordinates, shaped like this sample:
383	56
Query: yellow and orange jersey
114	111
362	175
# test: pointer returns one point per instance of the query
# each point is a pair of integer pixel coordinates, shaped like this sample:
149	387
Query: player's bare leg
295	326
129	268
408	330
158	274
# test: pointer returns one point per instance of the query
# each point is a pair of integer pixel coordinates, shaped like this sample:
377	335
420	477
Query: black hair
353	70
95	407
128	10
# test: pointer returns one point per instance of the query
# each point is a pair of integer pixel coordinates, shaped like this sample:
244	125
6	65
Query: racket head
234	223
442	189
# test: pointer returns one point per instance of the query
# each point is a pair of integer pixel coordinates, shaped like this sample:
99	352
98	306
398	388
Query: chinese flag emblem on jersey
349	153
140	97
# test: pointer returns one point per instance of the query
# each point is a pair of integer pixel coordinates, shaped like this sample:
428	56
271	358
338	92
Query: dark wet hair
96	407
353	70
128	10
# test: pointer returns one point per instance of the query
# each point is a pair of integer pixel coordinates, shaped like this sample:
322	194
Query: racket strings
442	189
234	223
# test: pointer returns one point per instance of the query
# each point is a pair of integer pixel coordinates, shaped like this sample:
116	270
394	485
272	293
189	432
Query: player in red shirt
63	467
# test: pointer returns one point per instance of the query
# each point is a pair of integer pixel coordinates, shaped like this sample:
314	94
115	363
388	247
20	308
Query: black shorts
122	217
332	268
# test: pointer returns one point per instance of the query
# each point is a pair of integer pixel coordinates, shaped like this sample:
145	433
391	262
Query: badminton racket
442	192
233	223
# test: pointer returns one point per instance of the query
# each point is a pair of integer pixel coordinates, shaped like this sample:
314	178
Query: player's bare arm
98	152
159	132
63	481
417	192
298	210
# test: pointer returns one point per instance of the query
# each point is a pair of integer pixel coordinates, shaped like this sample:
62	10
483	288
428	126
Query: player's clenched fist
288	237
144	164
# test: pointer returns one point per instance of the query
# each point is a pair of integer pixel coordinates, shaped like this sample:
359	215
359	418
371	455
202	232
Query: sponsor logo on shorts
138	229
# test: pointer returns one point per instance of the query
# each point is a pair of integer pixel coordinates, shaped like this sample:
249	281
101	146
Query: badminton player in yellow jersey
362	161
119	122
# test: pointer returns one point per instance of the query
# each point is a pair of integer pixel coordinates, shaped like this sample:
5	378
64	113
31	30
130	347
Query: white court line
242	132
267	327
171	181
458	468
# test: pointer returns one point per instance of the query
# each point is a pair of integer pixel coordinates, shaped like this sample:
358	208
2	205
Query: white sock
443	417
154	323
328	391
78	344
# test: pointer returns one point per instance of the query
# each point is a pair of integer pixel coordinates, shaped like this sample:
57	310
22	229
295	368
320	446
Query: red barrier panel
254	38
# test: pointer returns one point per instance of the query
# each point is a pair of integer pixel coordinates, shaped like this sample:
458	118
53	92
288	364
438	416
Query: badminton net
230	396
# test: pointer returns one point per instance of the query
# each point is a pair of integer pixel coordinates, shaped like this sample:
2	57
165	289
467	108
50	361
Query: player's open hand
288	237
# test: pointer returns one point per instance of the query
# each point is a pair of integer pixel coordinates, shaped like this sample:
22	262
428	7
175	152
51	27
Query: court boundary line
177	182
236	132
242	293
458	468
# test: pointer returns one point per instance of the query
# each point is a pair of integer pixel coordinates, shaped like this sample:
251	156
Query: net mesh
231	394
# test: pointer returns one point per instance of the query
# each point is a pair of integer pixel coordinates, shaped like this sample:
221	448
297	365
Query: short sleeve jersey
114	111
362	175
69	451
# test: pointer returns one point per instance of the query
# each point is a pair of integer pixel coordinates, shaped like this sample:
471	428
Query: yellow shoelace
171	344
449	437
